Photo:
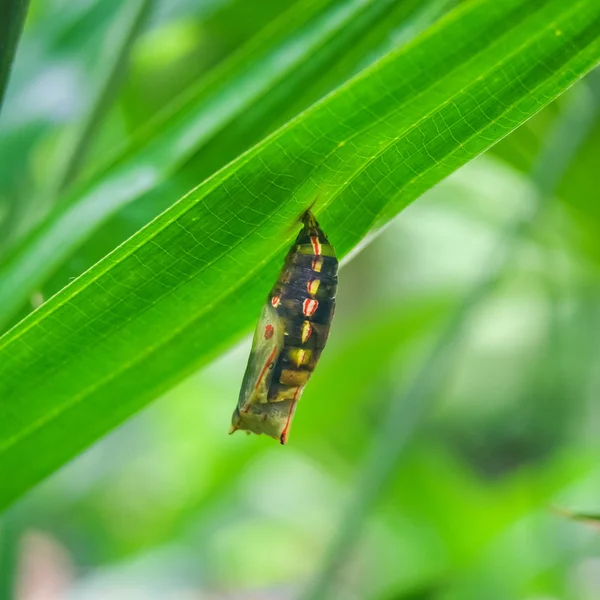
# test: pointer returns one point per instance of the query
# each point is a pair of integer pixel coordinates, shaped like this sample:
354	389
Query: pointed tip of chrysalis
308	218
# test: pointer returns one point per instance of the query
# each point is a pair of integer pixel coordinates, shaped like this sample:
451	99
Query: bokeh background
453	419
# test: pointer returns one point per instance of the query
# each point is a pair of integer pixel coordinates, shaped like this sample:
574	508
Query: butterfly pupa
290	335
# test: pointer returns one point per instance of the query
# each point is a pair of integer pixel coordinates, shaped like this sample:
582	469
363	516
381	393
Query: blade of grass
129	22
192	281
408	408
13	14
11	25
65	44
61	46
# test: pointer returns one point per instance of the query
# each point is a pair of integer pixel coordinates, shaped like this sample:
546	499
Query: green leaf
190	283
124	31
63	50
130	22
266	75
13	16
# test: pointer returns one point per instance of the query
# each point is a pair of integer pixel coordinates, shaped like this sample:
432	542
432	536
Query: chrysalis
290	336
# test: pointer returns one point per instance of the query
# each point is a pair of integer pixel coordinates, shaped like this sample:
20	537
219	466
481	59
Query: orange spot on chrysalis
276	301
269	332
317	264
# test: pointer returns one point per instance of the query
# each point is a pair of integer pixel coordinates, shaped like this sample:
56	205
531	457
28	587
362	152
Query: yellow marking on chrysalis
300	356
313	286
317	264
307	329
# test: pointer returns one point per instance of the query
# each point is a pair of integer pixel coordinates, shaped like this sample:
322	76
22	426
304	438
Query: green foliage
191	282
151	244
13	15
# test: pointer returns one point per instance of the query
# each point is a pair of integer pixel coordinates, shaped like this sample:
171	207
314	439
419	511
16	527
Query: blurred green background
455	405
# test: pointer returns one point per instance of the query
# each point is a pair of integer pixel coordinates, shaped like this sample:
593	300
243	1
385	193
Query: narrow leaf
13	14
130	21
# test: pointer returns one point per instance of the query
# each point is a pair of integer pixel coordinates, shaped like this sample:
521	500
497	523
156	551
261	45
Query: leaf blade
130	24
190	282
13	18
